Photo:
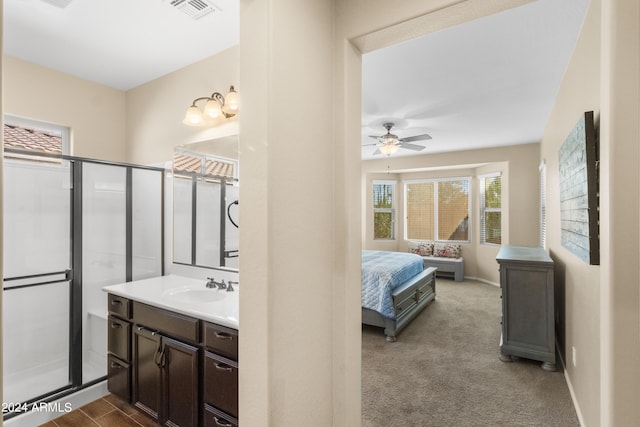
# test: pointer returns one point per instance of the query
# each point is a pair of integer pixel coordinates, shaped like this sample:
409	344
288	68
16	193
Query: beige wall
155	110
94	113
601	303
519	167
578	282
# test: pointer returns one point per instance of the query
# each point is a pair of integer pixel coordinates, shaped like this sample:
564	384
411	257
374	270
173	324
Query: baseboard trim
488	282
571	391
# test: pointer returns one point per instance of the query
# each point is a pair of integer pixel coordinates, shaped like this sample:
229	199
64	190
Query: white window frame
391	210
484	209
435	213
64	131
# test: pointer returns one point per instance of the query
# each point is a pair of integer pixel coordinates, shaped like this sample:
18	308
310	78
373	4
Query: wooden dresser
528	329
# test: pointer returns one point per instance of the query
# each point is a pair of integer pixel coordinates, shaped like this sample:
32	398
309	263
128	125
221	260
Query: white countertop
168	292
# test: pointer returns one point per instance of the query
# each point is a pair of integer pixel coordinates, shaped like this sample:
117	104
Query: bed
395	288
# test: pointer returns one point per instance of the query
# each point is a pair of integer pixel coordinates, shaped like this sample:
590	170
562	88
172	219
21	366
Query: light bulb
388	149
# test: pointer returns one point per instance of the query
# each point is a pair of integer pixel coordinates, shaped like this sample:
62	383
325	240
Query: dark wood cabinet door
146	387
180	383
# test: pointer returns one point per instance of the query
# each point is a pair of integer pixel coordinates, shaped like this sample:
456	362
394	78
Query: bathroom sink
194	295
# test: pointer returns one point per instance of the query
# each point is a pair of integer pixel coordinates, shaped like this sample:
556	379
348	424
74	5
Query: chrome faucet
211	283
230	288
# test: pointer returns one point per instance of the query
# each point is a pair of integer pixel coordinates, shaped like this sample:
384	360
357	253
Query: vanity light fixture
215	106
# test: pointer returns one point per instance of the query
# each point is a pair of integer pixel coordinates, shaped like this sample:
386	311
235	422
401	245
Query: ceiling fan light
193	117
388	149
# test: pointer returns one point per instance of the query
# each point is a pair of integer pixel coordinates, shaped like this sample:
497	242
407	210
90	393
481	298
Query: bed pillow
446	250
421	248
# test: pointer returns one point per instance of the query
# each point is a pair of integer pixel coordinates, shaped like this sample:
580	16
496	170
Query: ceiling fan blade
422	137
369	145
376	152
374	136
413	147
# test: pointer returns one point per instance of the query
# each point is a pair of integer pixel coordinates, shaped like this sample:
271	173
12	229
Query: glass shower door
37	272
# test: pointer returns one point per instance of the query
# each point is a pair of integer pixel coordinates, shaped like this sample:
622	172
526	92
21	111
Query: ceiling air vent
196	9
59	3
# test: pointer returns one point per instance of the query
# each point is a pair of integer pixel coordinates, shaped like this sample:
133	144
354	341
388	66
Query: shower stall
71	226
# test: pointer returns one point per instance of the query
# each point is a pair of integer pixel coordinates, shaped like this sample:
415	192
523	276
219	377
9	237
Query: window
543	204
383	210
437	209
37	137
491	209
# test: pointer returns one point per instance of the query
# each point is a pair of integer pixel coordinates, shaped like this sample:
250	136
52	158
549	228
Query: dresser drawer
119	338
169	322
221	340
119	306
221	383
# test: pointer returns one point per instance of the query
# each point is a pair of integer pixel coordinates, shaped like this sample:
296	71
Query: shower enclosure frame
74	274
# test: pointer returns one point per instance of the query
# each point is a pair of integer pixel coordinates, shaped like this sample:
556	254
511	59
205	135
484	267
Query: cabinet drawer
214	418
221	340
119	338
221	383
120	306
119	378
425	290
403	307
174	324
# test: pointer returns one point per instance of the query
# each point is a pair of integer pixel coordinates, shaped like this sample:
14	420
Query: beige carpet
444	370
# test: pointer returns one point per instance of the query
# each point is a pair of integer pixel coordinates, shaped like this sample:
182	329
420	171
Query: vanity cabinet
179	370
528	328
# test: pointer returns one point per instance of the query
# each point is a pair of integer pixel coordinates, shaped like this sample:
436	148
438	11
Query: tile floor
110	411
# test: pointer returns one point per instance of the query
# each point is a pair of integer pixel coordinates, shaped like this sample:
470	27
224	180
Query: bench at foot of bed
408	300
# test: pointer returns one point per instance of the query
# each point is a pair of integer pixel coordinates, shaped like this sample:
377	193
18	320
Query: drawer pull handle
223	336
221	424
115	366
116	325
116	302
223	367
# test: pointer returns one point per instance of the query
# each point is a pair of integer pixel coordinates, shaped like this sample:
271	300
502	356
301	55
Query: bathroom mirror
206	204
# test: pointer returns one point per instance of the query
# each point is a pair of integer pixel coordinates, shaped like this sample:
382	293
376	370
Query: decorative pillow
446	250
421	248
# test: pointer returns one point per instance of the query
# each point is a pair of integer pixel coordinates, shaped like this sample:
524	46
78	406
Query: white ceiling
117	43
488	83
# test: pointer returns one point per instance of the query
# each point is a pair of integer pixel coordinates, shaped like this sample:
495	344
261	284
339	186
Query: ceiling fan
389	143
